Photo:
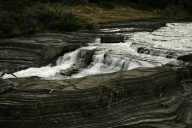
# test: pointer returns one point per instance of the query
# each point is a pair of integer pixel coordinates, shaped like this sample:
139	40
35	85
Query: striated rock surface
37	50
157	97
144	97
6	85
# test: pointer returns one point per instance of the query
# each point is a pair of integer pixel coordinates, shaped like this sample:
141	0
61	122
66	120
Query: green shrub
39	18
54	17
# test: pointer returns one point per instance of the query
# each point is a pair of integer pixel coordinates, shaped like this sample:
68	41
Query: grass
58	17
97	15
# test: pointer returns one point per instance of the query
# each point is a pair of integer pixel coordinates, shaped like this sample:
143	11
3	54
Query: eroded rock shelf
143	97
38	50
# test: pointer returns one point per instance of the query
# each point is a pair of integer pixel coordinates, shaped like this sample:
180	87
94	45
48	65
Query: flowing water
113	57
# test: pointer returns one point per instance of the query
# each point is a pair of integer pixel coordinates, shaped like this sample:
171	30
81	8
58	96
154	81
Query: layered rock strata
145	97
38	50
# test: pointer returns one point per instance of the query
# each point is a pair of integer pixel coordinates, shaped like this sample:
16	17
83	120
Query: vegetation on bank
39	18
26	17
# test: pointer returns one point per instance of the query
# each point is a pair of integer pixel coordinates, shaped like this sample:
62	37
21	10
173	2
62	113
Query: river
138	50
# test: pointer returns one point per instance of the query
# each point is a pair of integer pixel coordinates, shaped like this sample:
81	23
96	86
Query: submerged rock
69	71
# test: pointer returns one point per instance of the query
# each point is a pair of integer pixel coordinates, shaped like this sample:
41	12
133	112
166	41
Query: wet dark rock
158	51
137	25
84	57
6	85
83	60
186	58
143	50
112	38
69	71
37	50
150	97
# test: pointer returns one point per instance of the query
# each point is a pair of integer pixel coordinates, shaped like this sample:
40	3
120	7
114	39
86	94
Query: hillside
27	17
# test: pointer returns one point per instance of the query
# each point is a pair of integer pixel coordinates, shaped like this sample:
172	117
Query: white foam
114	57
177	36
63	62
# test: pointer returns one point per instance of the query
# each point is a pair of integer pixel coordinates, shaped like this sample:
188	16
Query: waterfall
99	58
92	60
48	71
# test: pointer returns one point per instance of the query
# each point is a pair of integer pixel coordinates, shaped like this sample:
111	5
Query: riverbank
119	13
60	18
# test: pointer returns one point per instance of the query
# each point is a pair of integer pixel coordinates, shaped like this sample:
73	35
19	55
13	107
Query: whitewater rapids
113	57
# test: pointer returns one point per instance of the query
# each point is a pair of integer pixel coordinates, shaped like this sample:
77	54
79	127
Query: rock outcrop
159	97
145	97
83	60
38	50
6	85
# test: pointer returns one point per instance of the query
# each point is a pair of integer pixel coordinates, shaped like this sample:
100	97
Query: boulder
84	58
69	71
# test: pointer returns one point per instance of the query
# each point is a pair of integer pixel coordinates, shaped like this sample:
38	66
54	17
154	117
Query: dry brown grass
97	15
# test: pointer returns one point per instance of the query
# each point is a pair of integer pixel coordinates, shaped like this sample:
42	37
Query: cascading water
175	36
49	71
105	60
101	58
110	58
